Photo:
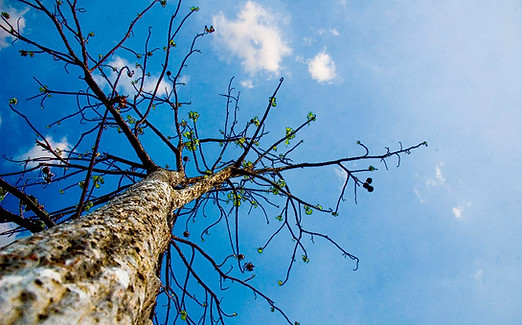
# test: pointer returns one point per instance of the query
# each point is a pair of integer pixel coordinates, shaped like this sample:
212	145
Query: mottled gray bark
100	268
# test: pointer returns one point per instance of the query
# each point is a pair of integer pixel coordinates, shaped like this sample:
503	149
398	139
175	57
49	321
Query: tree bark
101	268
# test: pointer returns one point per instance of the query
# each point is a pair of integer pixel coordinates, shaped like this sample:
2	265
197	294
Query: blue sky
439	239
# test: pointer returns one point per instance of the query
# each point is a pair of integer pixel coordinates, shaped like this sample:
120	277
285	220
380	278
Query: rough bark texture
100	268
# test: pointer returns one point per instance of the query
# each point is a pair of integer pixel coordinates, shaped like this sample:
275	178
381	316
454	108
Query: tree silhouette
99	257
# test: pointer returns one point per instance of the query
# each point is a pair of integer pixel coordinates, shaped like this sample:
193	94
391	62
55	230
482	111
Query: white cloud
39	152
458	210
322	67
254	37
340	174
478	274
247	84
184	79
4	240
421	200
16	20
332	31
125	86
439	179
309	40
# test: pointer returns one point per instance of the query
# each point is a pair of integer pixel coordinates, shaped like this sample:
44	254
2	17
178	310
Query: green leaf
289	135
193	116
41	225
130	119
6	15
308	210
13	101
311	117
88	206
194	8
3	193
305	259
260	250
255	121
183	315
280	283
279	217
371	168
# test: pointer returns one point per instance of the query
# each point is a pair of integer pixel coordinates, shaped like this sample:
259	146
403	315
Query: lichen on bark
100	268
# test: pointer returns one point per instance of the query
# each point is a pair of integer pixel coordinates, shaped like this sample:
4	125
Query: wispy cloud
421	200
184	79
247	84
439	179
16	20
322	67
459	210
125	86
38	152
254	37
4	240
332	31
340	174
309	40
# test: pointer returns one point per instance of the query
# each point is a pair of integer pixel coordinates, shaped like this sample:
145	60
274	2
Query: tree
104	266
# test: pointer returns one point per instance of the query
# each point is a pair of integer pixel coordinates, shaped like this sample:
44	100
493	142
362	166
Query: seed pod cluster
367	185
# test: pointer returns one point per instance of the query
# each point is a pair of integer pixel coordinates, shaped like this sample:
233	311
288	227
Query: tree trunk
101	268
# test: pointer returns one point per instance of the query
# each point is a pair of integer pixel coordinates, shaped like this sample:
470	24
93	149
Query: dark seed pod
249	266
369	180
370	188
365	185
186	233
186	158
